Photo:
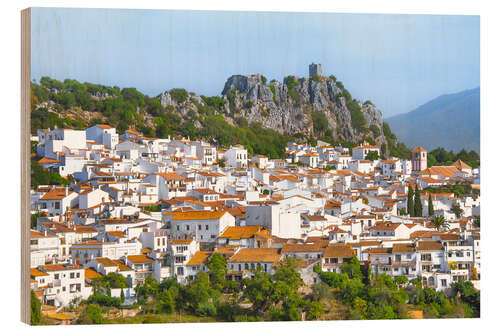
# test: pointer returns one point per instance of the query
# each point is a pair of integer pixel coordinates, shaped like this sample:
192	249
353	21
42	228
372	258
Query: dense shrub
179	95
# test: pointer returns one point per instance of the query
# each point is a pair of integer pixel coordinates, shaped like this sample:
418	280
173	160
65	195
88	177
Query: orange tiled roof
36	272
199	258
236	233
91	274
48	160
256	255
461	165
338	251
139	258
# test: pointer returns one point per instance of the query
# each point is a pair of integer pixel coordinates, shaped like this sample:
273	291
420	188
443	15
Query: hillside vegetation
227	119
223	120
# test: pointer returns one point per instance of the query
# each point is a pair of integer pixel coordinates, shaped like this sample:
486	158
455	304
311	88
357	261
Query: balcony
404	263
55	283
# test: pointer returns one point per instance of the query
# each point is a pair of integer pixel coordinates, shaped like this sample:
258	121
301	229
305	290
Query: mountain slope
261	115
450	121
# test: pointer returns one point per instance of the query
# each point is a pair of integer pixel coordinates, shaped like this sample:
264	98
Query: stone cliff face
287	107
289	111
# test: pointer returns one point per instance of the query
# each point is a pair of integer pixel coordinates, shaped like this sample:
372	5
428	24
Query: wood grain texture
25	162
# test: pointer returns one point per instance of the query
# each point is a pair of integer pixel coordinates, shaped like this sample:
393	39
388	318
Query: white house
104	134
236	157
270	215
360	152
203	226
61	284
245	260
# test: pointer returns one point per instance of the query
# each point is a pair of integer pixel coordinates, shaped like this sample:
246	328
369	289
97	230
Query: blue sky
397	61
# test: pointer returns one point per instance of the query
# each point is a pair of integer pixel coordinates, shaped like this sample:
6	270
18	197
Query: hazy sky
396	61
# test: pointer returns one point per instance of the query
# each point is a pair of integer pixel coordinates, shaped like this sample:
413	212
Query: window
71	275
187	227
199	226
57	205
177	228
426	257
206	226
77	275
56	276
443	282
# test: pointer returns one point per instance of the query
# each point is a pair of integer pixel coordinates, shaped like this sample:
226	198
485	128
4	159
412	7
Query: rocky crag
288	106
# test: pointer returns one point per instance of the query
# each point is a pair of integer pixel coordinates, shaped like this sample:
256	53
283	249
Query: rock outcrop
287	107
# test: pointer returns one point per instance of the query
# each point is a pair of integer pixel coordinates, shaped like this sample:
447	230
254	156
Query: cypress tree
431	205
418	203
409	202
36	309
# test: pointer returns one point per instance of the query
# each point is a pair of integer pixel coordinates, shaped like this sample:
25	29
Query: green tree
36	309
166	302
469	295
410	208
259	290
353	289
401	280
439	222
179	95
418	203
34	218
91	315
149	288
372	155
315	310
375	129
358	309
287	271
455	208
352	268
217	271
477	222
320	291
320	122
199	290
430	206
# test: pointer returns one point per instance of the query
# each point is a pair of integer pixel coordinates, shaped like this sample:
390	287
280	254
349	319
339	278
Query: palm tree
439	222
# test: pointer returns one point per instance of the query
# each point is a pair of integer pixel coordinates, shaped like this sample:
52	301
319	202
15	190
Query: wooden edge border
25	162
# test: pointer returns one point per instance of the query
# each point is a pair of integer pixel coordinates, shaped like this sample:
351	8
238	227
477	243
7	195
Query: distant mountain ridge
451	121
